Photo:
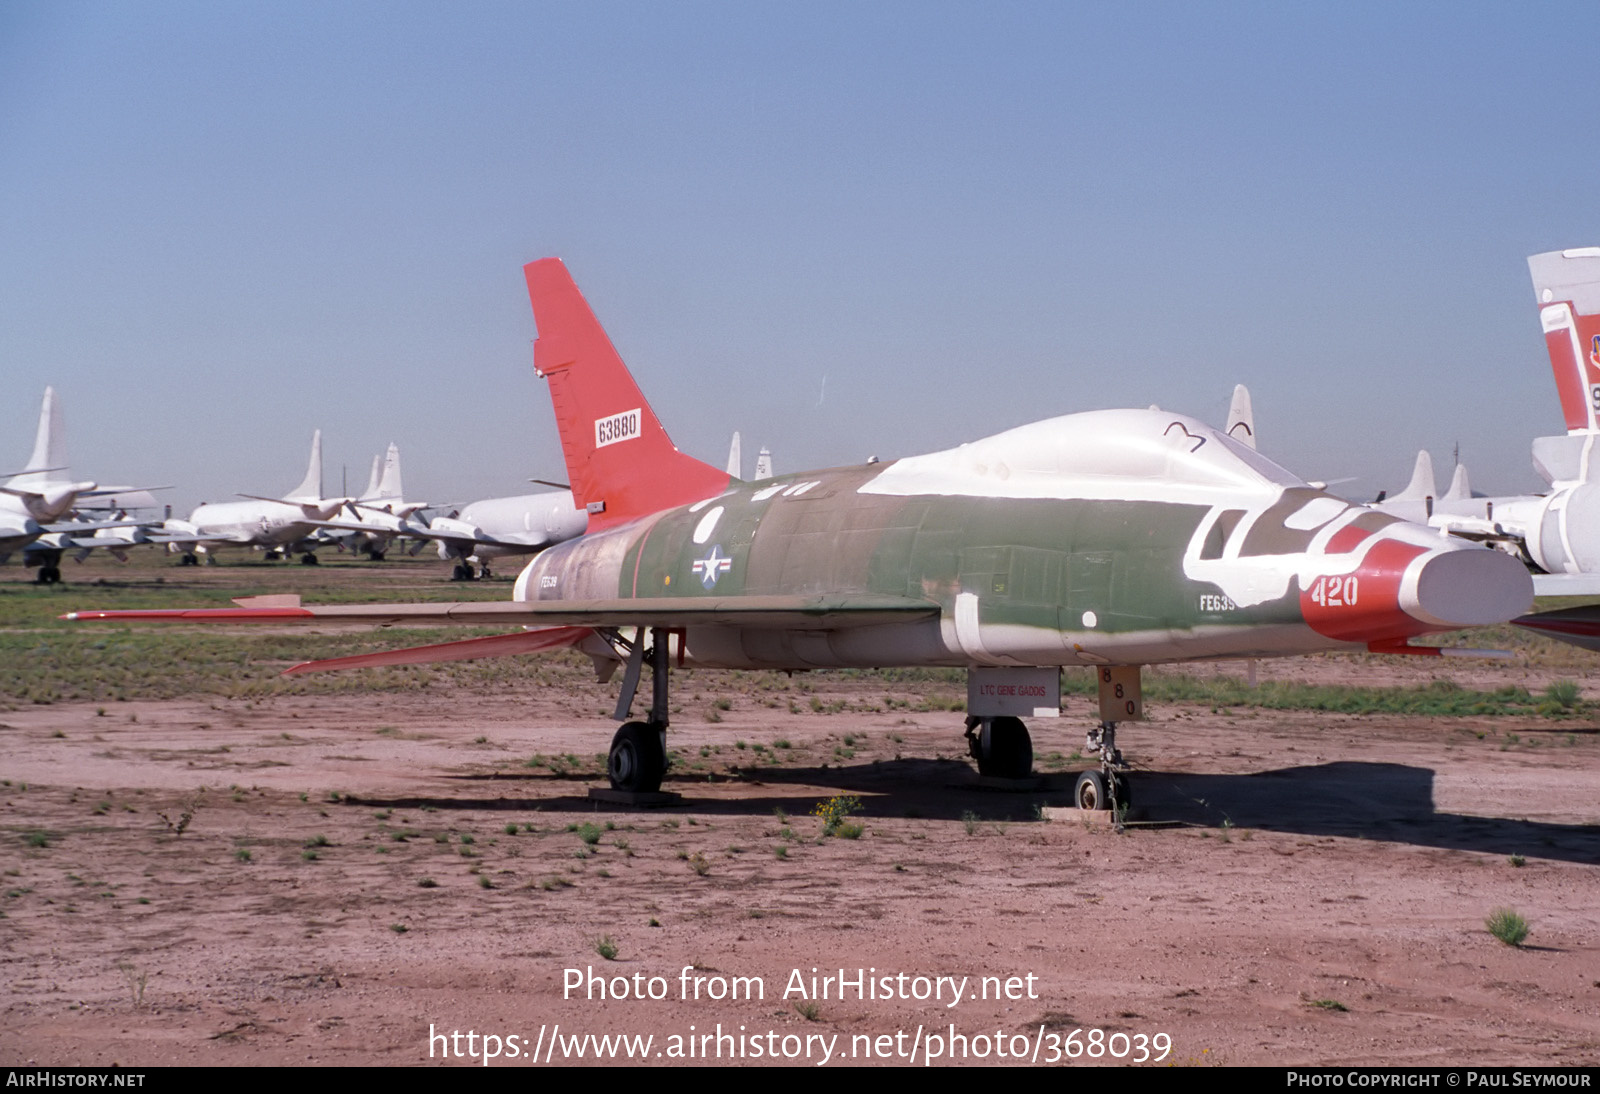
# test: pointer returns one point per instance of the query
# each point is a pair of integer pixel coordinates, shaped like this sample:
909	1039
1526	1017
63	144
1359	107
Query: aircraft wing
829	612
1578	626
1566	585
71	528
417	531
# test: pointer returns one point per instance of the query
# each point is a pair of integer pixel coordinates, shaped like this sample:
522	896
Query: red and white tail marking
1567	285
620	461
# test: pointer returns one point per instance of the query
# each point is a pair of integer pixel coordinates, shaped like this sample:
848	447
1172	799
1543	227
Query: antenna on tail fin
620	460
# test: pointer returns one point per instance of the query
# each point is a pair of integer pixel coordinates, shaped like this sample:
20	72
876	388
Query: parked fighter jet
1109	539
276	524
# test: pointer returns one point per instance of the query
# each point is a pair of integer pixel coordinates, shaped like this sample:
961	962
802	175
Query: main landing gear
1001	746
638	759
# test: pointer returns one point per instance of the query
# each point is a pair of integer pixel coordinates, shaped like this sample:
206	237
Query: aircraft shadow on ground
1375	801
1352	800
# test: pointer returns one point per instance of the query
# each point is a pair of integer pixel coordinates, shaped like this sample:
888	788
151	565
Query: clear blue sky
225	225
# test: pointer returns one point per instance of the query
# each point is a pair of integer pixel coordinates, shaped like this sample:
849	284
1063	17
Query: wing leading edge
831	612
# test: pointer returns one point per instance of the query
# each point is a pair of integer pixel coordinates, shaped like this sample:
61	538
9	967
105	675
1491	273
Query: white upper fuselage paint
1155	456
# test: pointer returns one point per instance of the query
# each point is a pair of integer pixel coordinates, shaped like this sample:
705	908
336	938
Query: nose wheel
1097	791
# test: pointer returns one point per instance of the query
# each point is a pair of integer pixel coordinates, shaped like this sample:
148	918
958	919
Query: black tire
638	758
1004	750
308	559
375	556
1090	793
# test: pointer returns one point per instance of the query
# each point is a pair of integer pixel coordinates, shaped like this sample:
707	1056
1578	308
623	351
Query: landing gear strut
1108	787
1001	746
638	759
1121	699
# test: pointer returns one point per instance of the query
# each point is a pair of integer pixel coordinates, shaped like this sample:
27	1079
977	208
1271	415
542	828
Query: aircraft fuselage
1122	537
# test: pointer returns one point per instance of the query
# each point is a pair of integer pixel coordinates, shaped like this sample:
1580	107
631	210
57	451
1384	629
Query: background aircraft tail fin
1460	488
311	488
372	480
1421	485
621	463
389	488
1567	286
47	465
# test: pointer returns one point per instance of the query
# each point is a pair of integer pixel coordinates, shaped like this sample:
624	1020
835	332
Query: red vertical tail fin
620	460
1567	285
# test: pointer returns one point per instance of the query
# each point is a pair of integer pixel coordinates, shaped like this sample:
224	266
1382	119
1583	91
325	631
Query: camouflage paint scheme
1066	557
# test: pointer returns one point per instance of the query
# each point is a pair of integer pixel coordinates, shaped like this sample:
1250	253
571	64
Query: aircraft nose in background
1467	589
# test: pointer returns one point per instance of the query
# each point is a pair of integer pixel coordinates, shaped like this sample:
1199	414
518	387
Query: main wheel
308	559
1091	793
638	758
1003	748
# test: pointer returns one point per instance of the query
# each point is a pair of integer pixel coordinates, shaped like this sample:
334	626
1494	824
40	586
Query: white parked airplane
505	527
381	513
1557	533
278	525
35	503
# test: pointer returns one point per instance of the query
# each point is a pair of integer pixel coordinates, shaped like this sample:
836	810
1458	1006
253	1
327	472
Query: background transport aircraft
35	502
1109	539
276	524
381	513
505	528
1556	534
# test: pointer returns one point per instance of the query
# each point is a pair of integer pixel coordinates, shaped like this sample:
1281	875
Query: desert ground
255	873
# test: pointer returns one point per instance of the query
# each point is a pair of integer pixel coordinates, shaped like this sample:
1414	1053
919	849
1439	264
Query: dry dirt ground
327	880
